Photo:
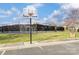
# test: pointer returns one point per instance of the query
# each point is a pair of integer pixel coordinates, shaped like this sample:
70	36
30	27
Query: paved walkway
22	45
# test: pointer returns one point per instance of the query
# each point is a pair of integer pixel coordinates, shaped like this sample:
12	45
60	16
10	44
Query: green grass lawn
41	36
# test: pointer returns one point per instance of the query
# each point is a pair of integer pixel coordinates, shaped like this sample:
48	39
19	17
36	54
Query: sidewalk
22	45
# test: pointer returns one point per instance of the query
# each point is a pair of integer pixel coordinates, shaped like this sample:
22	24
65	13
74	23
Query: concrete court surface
70	48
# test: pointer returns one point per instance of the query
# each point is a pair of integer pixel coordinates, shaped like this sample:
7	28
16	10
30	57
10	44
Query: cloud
12	15
58	16
10	12
2	16
13	9
5	12
75	5
62	12
15	14
70	5
69	9
52	18
32	8
55	13
37	5
45	19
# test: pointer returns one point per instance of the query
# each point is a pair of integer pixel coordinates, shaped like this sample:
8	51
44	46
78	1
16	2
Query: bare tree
72	20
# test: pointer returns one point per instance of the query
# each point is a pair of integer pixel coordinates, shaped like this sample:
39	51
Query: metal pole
30	30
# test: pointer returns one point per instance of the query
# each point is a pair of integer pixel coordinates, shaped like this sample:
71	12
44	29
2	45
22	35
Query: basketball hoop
30	12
